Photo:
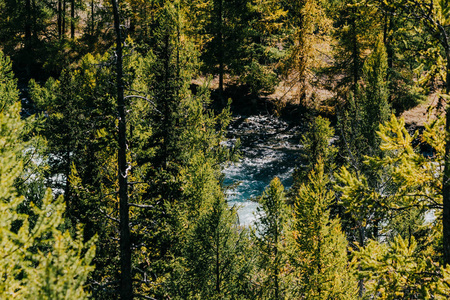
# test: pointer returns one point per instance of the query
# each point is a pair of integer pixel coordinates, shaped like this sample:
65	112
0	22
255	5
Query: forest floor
282	102
428	110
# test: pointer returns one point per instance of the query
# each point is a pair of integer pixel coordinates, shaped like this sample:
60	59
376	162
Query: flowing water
269	147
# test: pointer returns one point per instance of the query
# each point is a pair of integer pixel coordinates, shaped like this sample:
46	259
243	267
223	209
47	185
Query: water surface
269	147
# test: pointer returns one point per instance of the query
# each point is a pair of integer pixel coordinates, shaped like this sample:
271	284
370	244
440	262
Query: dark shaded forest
113	129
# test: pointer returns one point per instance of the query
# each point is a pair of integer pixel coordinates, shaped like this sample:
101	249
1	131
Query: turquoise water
270	147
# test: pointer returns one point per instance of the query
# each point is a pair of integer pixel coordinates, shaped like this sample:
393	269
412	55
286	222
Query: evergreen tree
320	258
214	264
375	99
356	26
365	110
39	257
317	147
400	270
270	241
359	136
308	30
80	130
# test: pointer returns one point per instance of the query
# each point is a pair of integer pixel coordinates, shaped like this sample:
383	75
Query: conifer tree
317	147
400	270
435	18
366	109
270	240
375	93
39	258
356	26
80	132
309	27
214	265
320	258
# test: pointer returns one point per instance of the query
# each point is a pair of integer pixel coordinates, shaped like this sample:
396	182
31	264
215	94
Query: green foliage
308	30
272	219
357	26
406	179
375	93
214	256
408	191
399	270
260	79
365	108
320	257
317	145
39	257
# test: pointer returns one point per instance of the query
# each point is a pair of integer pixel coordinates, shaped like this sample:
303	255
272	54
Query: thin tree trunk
28	22
92	18
218	264
277	287
33	21
446	178
355	53
67	187
28	35
220	54
72	19
64	18
60	18
126	290
362	237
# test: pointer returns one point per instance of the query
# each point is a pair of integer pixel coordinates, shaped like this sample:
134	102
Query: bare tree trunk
92	18
28	35
60	18
72	19
126	290
64	18
220	54
446	177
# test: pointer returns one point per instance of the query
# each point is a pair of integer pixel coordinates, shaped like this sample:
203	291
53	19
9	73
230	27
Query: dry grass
420	114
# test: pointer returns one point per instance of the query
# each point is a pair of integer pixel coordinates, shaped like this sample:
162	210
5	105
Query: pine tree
358	135
317	147
214	265
320	258
39	258
356	26
80	131
270	240
309	27
375	93
401	270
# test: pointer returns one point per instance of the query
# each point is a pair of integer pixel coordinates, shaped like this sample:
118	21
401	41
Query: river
269	147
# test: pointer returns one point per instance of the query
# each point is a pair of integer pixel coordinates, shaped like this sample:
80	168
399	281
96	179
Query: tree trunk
446	177
28	17
220	54
277	285
362	238
64	18
355	53
126	290
92	18
72	19
218	263
60	18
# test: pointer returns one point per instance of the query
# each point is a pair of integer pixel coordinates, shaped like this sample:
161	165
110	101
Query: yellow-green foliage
320	256
37	259
272	222
309	28
400	271
410	185
407	178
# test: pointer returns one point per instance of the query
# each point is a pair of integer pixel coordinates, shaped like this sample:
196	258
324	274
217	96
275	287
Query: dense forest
113	142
